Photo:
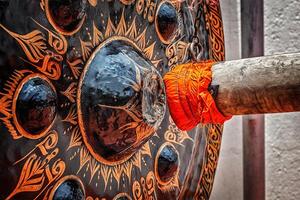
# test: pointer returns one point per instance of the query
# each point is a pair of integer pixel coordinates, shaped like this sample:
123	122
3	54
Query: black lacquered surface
81	95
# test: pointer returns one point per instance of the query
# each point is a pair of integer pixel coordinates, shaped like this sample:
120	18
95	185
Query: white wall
282	35
228	183
282	131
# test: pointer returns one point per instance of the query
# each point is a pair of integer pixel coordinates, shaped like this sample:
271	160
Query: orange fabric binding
189	100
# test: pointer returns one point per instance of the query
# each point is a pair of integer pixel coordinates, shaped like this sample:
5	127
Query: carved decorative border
214	26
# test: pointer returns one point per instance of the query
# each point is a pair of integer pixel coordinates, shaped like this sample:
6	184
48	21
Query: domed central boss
121	101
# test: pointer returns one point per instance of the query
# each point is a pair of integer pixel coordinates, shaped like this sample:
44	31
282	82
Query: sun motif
125	32
99	168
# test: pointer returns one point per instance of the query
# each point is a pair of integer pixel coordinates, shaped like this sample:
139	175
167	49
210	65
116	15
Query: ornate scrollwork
37	169
57	41
33	44
145	189
214	137
176	52
147	9
39	56
174	135
214	26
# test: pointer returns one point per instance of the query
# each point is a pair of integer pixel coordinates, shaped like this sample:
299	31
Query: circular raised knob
166	163
68	188
121	101
166	22
66	16
35	106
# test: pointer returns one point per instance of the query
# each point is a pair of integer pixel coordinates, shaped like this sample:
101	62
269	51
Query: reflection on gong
167	163
66	16
121	101
166	22
35	106
68	188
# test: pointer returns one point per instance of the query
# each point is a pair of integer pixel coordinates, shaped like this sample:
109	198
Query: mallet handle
268	84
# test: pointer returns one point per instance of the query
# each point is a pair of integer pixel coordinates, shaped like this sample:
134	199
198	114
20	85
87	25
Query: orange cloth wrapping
189	100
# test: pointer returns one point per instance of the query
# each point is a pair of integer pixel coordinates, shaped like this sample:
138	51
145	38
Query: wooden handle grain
267	84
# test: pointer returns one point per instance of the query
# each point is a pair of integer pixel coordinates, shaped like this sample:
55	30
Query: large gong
83	111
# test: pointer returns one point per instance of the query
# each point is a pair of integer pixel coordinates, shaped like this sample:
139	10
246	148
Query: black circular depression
69	190
167	164
36	106
122	101
166	22
67	15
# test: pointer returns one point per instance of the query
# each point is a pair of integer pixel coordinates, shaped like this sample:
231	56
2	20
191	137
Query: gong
83	111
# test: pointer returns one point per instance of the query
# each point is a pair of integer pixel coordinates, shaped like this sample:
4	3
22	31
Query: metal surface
101	129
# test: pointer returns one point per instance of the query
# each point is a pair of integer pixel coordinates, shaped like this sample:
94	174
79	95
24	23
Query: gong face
83	111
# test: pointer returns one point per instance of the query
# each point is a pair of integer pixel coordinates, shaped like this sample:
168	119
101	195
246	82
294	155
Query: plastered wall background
282	134
282	131
228	183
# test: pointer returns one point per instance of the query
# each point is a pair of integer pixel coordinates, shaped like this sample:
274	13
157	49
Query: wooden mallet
268	84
